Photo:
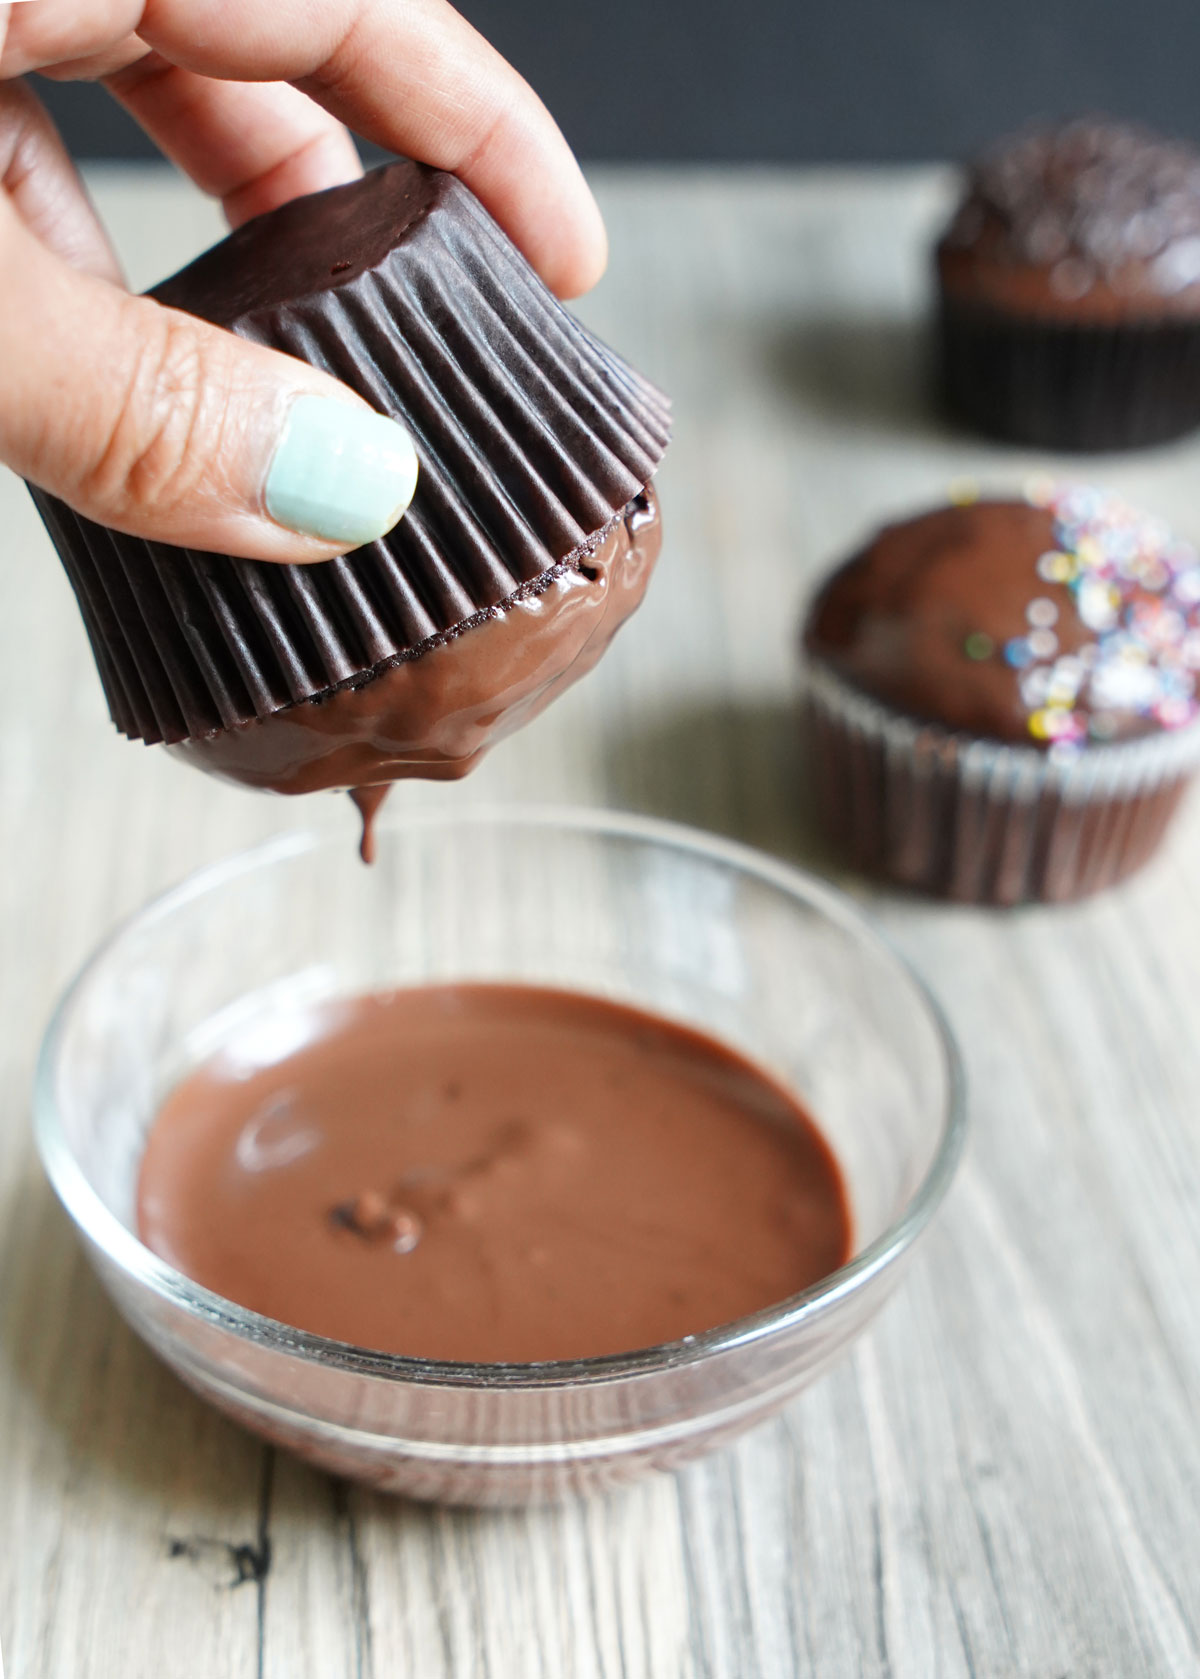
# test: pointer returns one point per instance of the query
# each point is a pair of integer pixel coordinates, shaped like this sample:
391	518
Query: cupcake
529	540
1069	290
1001	697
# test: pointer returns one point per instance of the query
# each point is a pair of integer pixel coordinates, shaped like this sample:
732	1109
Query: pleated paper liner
532	435
1065	387
978	821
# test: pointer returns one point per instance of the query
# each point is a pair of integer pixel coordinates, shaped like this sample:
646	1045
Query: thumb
161	425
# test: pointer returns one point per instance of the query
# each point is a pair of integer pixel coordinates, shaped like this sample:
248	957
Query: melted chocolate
491	1173
367	801
434	716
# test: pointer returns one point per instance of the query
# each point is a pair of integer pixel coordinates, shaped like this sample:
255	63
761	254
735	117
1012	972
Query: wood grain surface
1004	1478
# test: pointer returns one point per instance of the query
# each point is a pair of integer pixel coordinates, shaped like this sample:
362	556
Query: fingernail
339	472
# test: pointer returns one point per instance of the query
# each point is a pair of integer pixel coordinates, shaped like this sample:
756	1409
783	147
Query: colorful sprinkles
1136	588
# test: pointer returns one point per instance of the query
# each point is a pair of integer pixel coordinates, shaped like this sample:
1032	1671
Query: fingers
253	147
40	181
156	423
95	66
159	424
48	32
413	76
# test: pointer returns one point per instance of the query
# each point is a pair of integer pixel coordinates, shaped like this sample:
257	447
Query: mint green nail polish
339	472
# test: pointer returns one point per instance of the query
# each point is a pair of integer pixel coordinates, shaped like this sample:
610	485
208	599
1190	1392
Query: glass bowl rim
122	1248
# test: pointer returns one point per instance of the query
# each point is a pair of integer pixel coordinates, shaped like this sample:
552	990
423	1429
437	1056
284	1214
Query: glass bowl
701	930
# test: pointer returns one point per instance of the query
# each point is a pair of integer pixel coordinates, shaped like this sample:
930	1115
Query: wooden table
1004	1478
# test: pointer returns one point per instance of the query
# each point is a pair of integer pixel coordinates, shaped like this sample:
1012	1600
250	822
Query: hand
148	420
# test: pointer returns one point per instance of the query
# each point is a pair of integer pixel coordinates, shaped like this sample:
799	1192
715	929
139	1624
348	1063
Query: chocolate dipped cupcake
529	540
1002	697
1069	290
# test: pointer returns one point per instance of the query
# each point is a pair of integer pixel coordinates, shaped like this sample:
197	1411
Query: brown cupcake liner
532	437
978	821
1064	387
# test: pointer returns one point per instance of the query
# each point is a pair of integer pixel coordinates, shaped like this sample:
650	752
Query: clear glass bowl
704	931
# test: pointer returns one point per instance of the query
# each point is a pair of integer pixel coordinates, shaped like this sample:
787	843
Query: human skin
146	419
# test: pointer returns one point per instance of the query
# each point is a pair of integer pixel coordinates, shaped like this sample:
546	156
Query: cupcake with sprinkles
1003	696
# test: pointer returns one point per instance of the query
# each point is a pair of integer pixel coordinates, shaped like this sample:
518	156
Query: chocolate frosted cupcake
529	540
1002	697
1069	290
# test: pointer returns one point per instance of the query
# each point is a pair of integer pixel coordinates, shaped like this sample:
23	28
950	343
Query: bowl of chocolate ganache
557	1147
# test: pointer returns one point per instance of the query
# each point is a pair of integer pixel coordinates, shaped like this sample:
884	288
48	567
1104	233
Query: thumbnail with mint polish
340	472
493	1173
529	537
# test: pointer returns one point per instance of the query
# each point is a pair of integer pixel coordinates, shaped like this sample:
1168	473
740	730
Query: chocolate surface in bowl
487	1173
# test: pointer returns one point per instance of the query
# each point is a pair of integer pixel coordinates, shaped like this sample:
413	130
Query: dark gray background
808	80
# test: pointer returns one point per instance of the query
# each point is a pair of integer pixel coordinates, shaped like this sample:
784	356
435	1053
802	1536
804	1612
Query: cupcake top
1060	621
1088	220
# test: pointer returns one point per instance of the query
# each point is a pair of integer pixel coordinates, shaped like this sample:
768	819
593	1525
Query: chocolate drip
368	801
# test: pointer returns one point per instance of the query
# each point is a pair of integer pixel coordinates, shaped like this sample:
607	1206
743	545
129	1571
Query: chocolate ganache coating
1062	621
1089	221
435	715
